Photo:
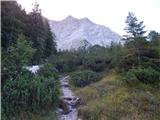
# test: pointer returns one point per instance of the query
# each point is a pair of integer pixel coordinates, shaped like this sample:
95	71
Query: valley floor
111	99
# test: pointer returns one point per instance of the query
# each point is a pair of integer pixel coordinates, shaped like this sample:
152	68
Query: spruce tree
40	35
36	32
134	28
13	20
135	39
49	45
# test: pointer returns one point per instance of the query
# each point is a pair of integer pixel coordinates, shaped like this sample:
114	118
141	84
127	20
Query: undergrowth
112	99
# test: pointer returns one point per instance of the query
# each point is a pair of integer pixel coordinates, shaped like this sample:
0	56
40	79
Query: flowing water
67	110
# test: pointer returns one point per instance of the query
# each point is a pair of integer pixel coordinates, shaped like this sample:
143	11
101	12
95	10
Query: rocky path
68	102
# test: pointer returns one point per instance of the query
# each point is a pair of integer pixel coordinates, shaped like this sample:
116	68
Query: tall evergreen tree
49	45
134	28
35	30
40	35
135	39
13	20
33	26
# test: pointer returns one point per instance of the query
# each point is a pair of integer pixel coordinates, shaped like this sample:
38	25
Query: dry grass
111	99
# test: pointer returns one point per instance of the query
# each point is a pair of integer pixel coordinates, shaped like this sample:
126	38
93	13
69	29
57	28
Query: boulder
64	106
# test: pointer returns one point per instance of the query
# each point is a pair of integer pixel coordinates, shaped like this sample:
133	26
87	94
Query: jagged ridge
73	33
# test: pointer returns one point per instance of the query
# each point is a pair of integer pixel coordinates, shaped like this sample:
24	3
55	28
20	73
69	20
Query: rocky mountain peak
72	33
69	17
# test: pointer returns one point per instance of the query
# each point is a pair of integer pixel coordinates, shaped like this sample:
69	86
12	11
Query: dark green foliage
83	78
134	28
24	36
13	20
48	70
127	62
139	51
21	90
97	64
144	56
141	62
40	34
66	62
33	26
135	40
36	33
144	75
154	38
17	56
130	78
95	58
147	75
49	44
29	93
116	51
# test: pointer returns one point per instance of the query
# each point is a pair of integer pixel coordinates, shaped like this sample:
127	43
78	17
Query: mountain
73	33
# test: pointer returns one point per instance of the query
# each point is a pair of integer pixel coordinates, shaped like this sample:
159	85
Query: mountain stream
68	102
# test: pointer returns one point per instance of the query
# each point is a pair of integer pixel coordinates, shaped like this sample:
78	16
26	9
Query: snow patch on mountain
72	33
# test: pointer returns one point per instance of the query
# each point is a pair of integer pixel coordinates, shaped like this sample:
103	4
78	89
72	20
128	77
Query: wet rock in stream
68	102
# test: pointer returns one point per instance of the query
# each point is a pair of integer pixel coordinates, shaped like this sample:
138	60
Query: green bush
21	90
147	75
17	56
29	92
127	62
47	70
83	78
144	75
96	59
129	77
96	64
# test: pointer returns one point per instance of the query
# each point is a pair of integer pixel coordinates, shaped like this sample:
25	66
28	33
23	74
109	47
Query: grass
111	99
50	115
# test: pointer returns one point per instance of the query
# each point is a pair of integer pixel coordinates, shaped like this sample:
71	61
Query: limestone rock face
72	33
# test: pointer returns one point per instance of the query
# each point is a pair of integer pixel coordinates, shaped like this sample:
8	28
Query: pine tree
135	39
36	31
40	35
134	28
13	20
49	45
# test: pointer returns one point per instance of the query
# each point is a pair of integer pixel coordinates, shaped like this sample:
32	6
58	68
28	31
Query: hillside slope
111	99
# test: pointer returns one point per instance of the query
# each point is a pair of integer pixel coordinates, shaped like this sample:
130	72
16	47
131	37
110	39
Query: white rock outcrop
73	33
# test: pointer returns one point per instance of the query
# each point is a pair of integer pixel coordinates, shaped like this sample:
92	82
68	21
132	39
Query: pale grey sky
111	13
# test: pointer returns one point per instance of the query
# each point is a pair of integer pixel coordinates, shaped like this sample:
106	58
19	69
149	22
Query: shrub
17	56
29	92
83	78
129	77
127	62
48	70
96	64
145	75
